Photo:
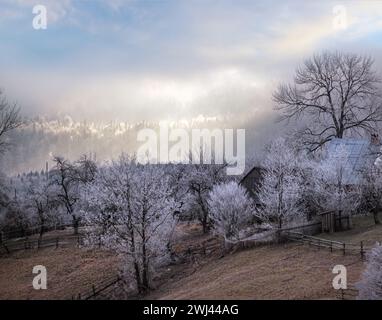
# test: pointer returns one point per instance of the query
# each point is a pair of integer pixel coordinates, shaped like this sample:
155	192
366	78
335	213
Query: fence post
38	243
78	241
343	248
331	246
319	244
362	252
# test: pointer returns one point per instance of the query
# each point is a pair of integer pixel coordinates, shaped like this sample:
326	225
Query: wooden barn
251	181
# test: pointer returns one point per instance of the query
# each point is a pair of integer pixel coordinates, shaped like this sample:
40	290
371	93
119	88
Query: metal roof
359	152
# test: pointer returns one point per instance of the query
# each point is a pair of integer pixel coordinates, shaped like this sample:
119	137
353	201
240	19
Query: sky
134	60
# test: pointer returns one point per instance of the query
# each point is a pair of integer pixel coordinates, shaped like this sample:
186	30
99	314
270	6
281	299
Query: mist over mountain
39	139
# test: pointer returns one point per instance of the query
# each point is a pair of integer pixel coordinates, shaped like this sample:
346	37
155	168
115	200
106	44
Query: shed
328	221
251	181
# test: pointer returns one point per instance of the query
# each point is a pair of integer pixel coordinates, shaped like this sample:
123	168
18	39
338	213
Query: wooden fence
350	293
326	244
30	231
10	246
100	290
308	229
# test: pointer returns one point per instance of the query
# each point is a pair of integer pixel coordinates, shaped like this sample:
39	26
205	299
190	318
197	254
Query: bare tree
133	207
370	285
335	94
41	201
65	178
86	169
335	187
282	186
231	210
371	190
9	120
201	179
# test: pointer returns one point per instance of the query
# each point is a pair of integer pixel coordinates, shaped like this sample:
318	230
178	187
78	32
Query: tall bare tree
334	94
65	178
9	120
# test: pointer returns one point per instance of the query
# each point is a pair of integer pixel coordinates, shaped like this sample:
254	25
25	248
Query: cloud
149	59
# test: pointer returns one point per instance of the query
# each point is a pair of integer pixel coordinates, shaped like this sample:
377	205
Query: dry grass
289	271
364	229
70	271
273	272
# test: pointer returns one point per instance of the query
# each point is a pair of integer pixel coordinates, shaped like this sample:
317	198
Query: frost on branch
280	192
371	190
370	285
133	209
231	210
334	185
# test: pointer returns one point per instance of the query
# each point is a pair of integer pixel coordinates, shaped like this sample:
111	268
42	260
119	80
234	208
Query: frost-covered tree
133	207
41	200
371	191
231	210
201	179
64	177
335	94
86	169
16	219
370	285
281	188
335	187
9	120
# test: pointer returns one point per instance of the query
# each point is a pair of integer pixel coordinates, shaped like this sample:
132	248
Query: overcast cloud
149	60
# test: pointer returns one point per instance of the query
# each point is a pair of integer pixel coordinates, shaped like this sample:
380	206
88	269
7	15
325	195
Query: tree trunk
204	220
41	231
340	219
350	221
145	275
138	277
205	224
76	224
375	216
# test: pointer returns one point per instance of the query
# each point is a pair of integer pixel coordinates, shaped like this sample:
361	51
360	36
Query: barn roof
359	152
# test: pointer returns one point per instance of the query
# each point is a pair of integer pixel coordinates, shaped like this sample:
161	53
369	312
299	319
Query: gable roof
360	154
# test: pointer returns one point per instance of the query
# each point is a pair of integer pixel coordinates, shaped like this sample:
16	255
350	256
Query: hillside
289	271
279	271
70	271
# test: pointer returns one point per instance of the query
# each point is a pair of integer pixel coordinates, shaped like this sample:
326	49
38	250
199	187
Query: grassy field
364	229
284	271
290	271
70	271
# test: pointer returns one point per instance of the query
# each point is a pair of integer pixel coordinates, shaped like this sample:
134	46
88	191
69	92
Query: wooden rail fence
327	244
98	290
350	293
26	244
